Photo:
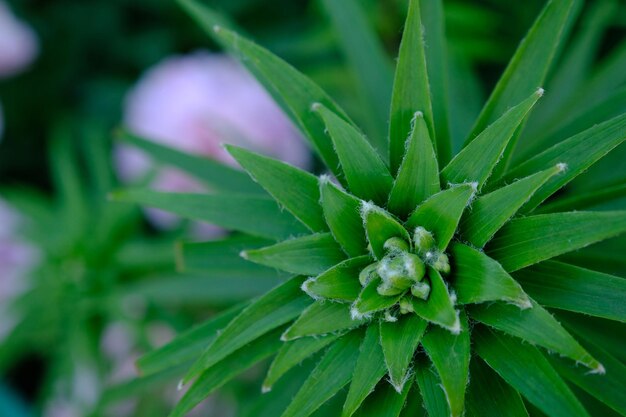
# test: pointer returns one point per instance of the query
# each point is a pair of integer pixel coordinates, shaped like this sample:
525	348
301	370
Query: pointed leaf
529	66
399	341
226	369
321	318
608	389
489	396
380	226
292	353
436	61
385	401
220	258
218	176
367	58
579	152
258	216
293	91
540	385
491	211
450	355
343	215
331	374
439	308
476	161
274	309
296	190
534	325
582	200
431	389
411	91
440	214
568	287
366	173
418	175
308	255
188	345
528	240
370	368
370	301
478	278
340	283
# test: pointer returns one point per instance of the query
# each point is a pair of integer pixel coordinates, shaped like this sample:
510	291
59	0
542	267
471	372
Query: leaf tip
598	370
540	91
217	28
265	389
244	254
305	287
561	167
316	106
181	384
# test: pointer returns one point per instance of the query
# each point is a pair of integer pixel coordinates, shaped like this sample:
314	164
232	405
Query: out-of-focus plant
85	289
445	271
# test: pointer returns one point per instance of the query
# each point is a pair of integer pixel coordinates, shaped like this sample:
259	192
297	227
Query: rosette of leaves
417	277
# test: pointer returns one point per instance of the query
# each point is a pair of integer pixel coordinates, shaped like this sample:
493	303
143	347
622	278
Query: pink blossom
17	259
18	43
195	103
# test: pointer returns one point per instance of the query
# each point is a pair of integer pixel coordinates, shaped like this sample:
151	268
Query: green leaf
385	401
528	240
218	176
478	158
418	175
567	287
534	325
489	396
411	91
293	91
366	173
529	66
227	368
451	356
399	341
368	60
603	332
339	283
292	353
187	346
370	368
540	385
579	152
582	200
440	214
370	301
608	389
296	190
431	389
258	216
380	226
308	255
478	278
491	211
320	318
220	258
343	215
439	308
331	374
272	310
436	61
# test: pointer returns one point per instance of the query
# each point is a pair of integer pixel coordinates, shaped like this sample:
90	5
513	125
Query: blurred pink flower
195	103
17	259
18	43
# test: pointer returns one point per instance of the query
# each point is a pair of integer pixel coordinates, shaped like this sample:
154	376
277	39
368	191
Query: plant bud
368	274
423	240
420	290
396	245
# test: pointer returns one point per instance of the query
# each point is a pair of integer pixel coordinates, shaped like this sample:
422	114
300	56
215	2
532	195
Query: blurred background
87	286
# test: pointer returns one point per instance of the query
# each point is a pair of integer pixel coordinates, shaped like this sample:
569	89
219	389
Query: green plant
431	269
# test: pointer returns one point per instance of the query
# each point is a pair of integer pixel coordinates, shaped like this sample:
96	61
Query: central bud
403	270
